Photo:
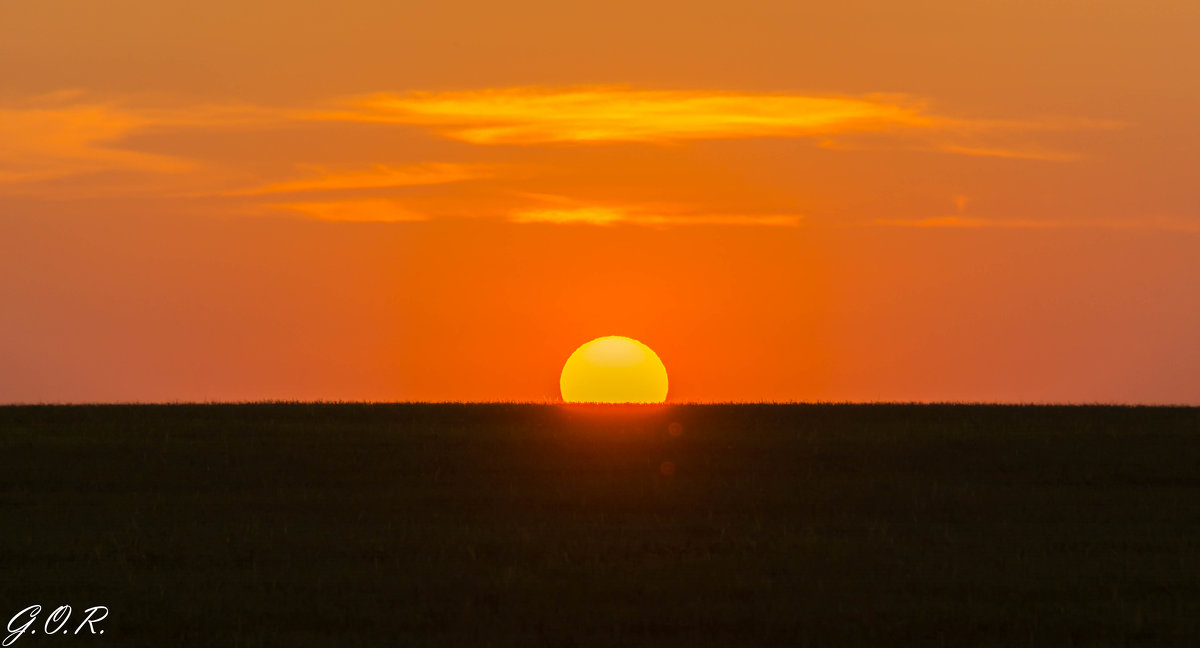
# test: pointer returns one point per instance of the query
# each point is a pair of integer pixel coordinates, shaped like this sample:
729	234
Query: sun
614	369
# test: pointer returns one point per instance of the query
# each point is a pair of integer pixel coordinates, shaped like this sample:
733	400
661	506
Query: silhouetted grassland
527	525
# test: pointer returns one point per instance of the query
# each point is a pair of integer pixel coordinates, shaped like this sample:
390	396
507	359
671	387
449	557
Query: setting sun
614	369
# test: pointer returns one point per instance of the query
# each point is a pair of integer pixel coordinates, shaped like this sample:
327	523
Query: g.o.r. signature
56	622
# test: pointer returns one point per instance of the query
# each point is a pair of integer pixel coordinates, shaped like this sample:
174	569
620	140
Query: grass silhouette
308	524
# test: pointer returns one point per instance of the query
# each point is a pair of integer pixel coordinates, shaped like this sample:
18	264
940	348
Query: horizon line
773	403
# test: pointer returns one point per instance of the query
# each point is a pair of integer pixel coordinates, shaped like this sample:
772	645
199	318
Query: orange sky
788	201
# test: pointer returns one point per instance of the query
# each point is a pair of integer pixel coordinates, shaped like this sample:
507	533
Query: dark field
527	525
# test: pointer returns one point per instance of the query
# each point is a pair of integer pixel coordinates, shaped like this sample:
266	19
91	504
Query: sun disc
614	369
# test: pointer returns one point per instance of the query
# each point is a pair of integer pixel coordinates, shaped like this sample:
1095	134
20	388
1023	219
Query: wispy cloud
70	133
44	142
617	114
359	211
376	177
66	136
630	216
598	114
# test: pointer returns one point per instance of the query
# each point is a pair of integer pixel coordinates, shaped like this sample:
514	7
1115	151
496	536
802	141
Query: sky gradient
926	201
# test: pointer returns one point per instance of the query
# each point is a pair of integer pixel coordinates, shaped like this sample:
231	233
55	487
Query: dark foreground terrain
526	525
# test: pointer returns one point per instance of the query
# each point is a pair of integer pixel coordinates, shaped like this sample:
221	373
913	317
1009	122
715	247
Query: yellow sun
613	369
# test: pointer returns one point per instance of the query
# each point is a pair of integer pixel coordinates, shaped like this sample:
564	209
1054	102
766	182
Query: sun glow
614	369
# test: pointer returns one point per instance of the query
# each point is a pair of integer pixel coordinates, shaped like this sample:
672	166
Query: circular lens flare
613	369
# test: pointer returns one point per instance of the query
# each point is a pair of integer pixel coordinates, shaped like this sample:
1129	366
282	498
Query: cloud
49	145
613	114
577	215
622	215
356	211
47	142
377	177
68	133
538	116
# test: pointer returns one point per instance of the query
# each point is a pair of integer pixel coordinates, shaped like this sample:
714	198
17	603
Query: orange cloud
377	177
47	142
68	133
622	215
595	114
527	116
